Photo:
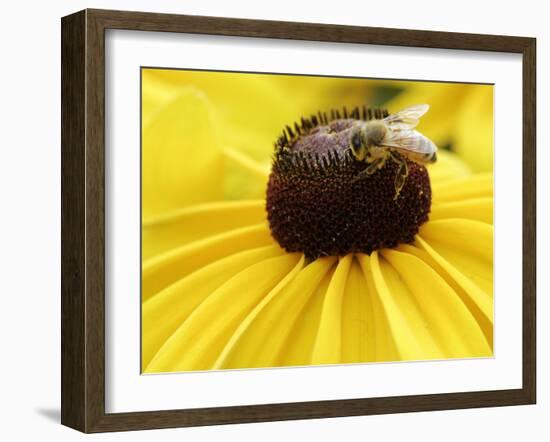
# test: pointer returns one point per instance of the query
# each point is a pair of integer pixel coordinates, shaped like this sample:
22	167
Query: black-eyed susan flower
318	269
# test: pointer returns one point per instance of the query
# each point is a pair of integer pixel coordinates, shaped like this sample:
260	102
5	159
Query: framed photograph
268	221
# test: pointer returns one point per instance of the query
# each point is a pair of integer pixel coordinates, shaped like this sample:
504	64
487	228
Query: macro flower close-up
267	242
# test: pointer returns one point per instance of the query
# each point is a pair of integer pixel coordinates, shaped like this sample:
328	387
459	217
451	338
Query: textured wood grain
529	220
83	220
73	400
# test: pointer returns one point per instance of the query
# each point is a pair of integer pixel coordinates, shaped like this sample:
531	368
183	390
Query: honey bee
394	137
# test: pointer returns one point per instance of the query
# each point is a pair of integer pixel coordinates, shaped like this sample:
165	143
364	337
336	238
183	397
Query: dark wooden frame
83	216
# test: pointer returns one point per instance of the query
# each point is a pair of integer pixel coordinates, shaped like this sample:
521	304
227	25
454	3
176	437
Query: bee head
357	146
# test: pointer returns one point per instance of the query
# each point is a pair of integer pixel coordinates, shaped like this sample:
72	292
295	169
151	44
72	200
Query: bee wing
410	141
407	118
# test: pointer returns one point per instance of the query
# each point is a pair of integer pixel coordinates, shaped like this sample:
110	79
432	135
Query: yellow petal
409	330
358	323
380	333
473	134
299	344
475	186
469	274
327	348
262	335
165	269
448	167
155	95
163	233
465	237
197	343
260	171
164	312
181	160
252	109
464	249
249	109
449	321
244	177
480	209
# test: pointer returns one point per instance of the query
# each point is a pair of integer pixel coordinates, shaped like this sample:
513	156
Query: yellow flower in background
461	116
219	292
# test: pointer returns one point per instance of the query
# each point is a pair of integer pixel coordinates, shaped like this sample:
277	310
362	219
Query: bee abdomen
431	157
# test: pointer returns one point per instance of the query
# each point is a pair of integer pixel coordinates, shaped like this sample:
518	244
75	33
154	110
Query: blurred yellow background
210	135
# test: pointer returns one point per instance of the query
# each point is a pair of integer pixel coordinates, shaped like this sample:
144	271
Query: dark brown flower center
316	205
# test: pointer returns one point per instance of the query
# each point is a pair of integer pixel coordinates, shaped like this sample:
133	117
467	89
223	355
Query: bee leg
401	175
371	168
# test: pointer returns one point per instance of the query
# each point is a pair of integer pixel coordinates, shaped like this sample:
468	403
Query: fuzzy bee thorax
374	132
